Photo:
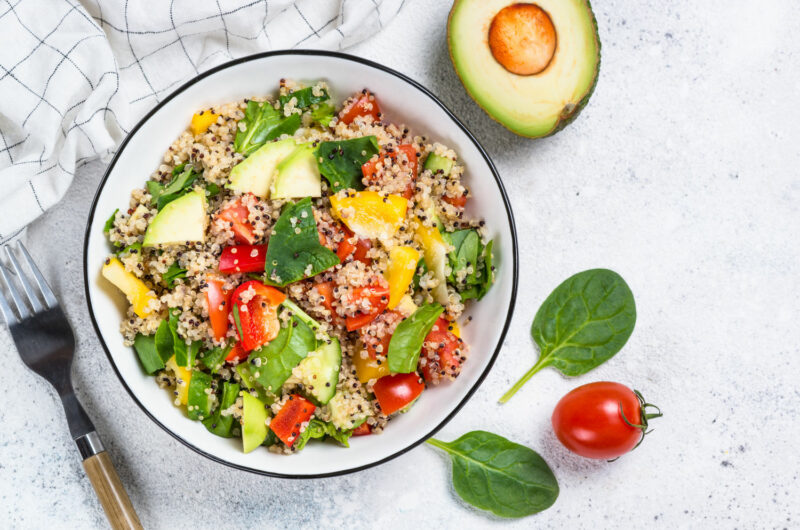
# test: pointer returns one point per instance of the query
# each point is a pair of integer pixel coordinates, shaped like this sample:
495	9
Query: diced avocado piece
319	371
256	173
201	397
254	422
530	66
436	162
181	221
298	175
218	423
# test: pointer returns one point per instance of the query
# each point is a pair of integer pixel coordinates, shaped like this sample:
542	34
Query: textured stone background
681	175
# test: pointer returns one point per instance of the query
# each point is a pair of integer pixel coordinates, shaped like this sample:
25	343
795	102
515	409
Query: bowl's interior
401	102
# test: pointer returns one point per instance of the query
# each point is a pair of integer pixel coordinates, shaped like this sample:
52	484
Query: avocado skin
562	122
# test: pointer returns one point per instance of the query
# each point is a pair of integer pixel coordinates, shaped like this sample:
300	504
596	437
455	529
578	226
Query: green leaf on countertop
294	251
342	160
407	339
498	475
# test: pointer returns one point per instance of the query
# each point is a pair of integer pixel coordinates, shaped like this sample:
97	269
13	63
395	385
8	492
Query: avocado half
530	66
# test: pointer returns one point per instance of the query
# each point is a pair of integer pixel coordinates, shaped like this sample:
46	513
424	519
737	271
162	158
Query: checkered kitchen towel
76	75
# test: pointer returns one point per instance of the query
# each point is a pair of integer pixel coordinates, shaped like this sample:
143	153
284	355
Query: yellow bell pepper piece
201	121
370	215
138	293
368	368
435	253
402	264
455	329
183	376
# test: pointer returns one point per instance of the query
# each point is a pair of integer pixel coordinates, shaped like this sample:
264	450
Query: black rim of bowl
456	121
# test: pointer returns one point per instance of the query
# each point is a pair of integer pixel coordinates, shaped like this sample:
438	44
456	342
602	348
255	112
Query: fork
46	345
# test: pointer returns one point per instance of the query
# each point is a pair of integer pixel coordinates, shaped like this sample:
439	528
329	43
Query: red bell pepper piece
458	202
362	430
219	306
243	258
359	249
362	105
378	297
237	354
370	168
325	289
258	317
286	423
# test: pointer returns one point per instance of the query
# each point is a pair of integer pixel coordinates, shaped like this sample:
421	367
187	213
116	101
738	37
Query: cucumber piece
254	422
217	423
199	402
319	371
145	346
436	163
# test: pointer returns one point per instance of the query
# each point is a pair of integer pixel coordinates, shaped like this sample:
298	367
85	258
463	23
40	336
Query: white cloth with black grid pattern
76	75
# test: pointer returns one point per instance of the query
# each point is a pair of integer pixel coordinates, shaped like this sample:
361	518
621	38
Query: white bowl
402	100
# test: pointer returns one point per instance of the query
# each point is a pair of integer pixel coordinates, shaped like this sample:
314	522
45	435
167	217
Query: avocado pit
522	38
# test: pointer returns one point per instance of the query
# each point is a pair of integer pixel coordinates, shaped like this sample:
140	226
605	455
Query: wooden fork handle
107	485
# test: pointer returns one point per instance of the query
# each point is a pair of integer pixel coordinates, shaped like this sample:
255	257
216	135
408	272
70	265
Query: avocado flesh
534	105
298	175
256	173
181	221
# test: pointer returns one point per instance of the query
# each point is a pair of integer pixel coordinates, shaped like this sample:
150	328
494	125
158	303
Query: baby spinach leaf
173	273
248	379
294	251
163	340
498	475
342	161
110	222
320	429
179	346
281	355
135	248
183	176
145	346
212	190
217	423
406	342
261	123
237	320
214	359
305	98
583	323
323	114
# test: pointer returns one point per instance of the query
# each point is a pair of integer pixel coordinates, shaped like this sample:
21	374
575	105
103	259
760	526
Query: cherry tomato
259	315
362	430
601	420
378	297
358	250
325	289
219	306
370	168
397	391
293	413
243	258
443	353
458	202
361	105
236	214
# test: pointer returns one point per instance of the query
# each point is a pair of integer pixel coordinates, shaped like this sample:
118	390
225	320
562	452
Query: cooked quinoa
360	237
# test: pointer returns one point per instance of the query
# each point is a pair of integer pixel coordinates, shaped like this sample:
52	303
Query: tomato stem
541	363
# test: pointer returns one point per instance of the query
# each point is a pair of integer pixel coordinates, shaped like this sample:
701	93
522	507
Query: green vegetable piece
237	320
199	402
180	184
305	98
436	163
163	341
184	355
254	422
262	123
135	248
342	161
406	342
145	346
498	475
217	423
318	429
583	323
323	114
214	359
110	222
248	380
294	251
299	341
487	278
173	273
212	190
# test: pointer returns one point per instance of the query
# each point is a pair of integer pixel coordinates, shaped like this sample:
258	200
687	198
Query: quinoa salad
296	268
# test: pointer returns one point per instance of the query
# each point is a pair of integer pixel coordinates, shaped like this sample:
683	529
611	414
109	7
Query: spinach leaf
498	475
135	248
184	353
214	359
406	342
320	429
342	161
323	114
145	346
237	320
293	343
173	273
183	176
488	271
419	272
261	123
305	98
212	190
163	340
294	251
583	323
217	423
110	222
